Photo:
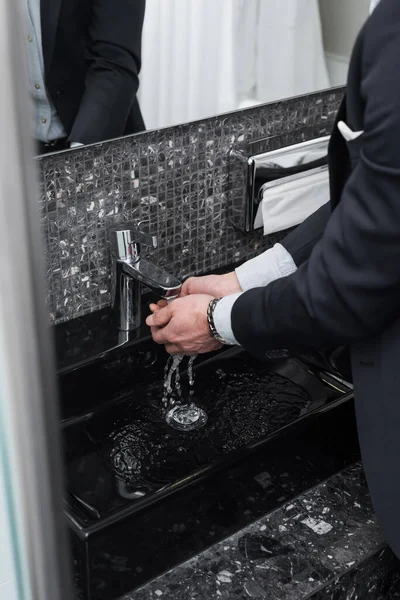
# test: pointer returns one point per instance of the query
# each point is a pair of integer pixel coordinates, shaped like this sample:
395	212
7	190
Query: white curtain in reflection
187	60
203	57
279	51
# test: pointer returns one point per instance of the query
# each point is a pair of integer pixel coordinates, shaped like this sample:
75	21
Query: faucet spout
127	280
159	281
130	271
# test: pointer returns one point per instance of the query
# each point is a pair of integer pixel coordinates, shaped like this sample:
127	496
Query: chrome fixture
252	171
130	271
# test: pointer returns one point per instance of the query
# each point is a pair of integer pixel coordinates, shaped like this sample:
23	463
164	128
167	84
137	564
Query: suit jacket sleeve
301	241
114	59
349	289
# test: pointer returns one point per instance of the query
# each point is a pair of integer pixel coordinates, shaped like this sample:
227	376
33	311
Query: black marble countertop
325	541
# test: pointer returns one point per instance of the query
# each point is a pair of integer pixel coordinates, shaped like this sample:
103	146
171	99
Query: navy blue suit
92	56
347	287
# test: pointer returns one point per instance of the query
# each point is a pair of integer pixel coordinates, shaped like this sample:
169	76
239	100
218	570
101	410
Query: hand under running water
217	286
182	325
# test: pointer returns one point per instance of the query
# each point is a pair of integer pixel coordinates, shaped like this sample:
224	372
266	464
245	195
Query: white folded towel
290	203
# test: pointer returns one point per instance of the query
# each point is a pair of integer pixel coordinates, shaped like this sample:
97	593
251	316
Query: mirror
198	59
202	57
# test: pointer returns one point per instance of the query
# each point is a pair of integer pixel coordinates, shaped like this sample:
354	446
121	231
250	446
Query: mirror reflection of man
84	58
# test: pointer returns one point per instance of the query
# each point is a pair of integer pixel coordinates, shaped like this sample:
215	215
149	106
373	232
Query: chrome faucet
130	271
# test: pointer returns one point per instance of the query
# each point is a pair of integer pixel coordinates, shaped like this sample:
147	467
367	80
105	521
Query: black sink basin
130	443
143	496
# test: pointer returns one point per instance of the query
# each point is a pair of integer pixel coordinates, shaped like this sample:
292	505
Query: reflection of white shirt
47	124
372	5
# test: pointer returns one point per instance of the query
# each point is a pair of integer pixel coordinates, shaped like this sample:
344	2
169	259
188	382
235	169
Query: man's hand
182	325
217	286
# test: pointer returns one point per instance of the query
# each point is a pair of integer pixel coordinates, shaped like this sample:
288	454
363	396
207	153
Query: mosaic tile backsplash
175	180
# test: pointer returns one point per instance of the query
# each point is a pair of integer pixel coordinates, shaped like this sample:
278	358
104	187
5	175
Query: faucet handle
126	239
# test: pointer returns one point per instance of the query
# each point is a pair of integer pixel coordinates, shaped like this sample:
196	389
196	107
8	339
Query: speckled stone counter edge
317	546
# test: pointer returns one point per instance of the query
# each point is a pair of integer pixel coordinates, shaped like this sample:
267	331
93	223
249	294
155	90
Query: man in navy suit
84	58
336	279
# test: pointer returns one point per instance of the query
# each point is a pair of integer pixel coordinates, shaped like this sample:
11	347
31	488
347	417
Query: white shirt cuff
222	318
268	266
75	144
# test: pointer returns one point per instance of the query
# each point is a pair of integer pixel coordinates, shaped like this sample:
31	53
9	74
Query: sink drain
186	418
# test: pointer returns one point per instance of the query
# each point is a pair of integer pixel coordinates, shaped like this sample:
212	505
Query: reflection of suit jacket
92	56
347	287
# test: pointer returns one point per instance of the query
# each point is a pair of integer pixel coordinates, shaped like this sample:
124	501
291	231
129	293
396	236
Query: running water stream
182	414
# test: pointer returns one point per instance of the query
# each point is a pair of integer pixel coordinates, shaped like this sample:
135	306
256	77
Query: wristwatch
210	318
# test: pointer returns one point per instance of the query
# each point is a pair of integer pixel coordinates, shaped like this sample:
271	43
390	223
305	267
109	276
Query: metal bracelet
211	324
